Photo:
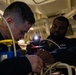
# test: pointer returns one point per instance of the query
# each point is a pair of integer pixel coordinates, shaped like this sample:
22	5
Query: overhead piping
71	13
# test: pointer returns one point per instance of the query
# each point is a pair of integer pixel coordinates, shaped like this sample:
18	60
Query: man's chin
55	34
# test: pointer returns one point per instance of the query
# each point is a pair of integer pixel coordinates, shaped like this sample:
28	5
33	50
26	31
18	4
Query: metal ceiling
47	7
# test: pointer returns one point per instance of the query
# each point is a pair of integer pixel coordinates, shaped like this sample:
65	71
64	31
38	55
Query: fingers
38	68
46	56
36	63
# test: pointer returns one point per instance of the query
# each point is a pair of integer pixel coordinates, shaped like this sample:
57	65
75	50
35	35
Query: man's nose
22	36
57	29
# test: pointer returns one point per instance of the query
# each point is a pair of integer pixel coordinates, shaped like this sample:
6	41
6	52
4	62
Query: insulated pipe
71	13
47	26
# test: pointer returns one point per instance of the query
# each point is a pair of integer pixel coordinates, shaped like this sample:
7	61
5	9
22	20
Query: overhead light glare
1	12
42	1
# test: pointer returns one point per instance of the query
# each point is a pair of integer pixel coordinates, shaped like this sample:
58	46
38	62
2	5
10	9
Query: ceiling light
1	12
31	28
42	1
39	1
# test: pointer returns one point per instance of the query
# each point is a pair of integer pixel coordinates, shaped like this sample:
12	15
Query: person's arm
21	65
65	55
45	56
15	66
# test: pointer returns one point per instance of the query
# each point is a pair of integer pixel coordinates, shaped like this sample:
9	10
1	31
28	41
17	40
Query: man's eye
54	26
23	32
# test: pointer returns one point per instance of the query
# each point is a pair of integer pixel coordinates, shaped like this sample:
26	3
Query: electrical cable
53	42
51	66
59	64
13	40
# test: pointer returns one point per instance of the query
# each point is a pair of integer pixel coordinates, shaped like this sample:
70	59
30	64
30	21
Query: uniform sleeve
15	66
65	56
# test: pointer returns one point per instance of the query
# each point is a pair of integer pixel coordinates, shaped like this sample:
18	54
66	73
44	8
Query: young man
57	33
20	18
67	53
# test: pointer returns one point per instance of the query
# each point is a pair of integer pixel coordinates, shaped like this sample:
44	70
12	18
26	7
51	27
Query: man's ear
9	20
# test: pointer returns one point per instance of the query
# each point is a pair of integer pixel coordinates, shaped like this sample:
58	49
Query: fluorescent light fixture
42	1
33	2
31	28
1	13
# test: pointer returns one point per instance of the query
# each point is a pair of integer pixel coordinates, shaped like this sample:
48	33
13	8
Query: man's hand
36	63
46	56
